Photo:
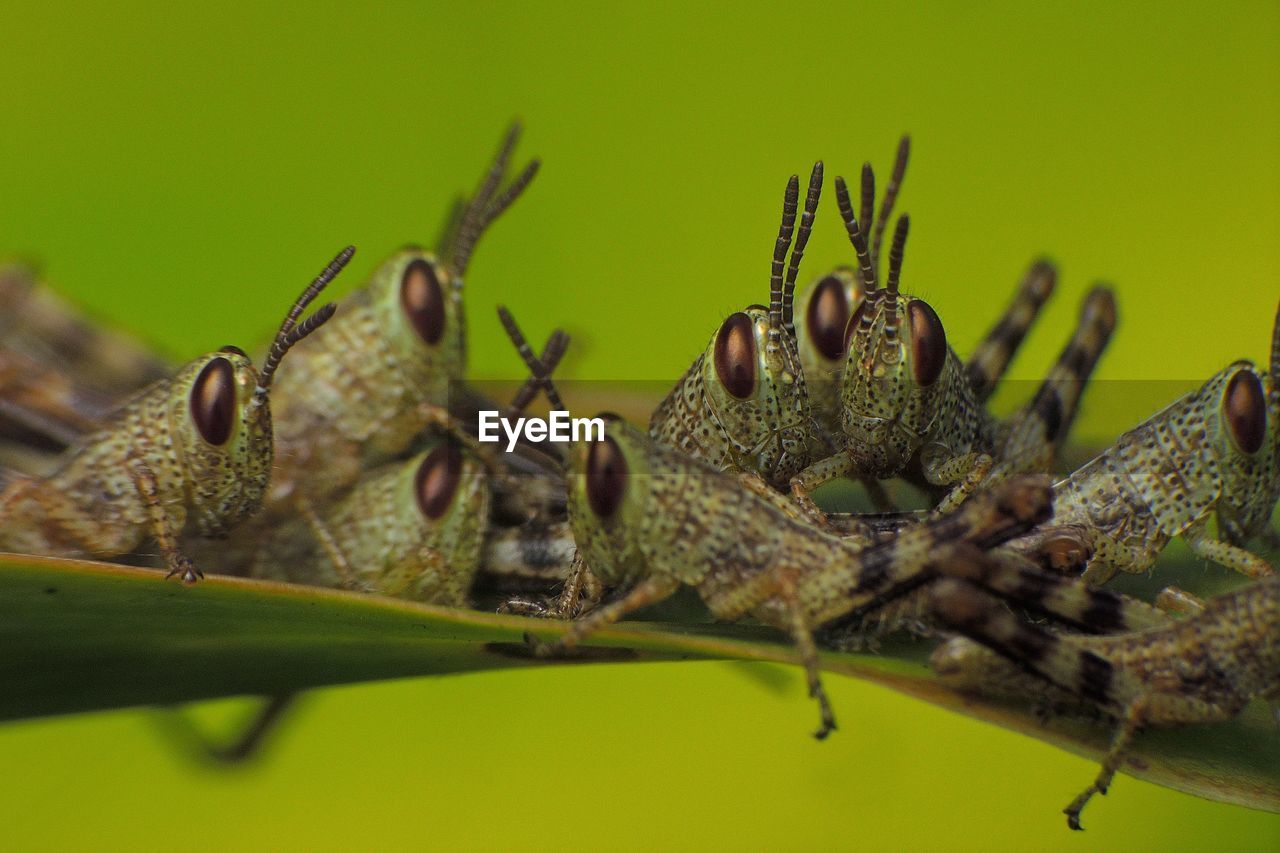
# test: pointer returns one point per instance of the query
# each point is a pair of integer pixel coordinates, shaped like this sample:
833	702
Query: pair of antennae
782	291
540	368
475	215
291	331
869	256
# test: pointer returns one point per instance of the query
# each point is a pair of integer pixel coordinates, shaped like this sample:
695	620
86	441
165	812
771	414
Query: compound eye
735	356
1246	410
423	300
437	480
828	318
851	328
213	401
928	342
606	477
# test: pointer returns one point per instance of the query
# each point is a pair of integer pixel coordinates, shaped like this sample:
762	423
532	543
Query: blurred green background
184	170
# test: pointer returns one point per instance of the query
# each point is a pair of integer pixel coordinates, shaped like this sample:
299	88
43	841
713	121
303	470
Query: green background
183	171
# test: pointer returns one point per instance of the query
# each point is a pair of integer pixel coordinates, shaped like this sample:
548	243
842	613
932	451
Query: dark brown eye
828	316
437	480
213	401
928	342
735	356
851	328
1246	409
606	477
423	300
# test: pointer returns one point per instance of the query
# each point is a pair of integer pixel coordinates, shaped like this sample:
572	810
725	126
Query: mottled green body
147	473
376	538
647	519
1170	476
364	386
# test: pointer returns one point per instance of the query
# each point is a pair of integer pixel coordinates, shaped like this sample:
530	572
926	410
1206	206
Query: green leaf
79	636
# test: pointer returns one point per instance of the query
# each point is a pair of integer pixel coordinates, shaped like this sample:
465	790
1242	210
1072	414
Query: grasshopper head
608	485
1244	426
417	300
222	418
750	377
755	389
419	525
896	359
224	438
825	308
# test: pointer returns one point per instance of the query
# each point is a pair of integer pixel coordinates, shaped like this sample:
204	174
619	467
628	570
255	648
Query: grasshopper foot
186	569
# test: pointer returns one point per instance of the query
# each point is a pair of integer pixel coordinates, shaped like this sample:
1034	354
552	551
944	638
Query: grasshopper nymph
648	519
827	303
189	453
366	386
909	408
1212	453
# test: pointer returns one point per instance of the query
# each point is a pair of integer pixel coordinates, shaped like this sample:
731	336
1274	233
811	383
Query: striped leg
1035	432
991	357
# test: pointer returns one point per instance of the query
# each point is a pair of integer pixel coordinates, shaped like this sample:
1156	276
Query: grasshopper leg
1224	553
967	472
162	527
1110	764
802	636
649	591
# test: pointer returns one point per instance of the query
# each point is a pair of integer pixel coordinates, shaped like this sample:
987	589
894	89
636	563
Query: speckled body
92	505
1204	668
832	300
1168	477
769	433
683	518
383	541
357	392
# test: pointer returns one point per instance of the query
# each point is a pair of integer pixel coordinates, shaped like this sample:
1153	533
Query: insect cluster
349	458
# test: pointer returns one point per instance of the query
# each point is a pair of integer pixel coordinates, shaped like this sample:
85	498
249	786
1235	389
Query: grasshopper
1212	453
364	388
827	303
413	529
648	519
908	407
743	403
1204	668
191	452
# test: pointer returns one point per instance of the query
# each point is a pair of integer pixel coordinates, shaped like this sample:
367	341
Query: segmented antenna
540	368
890	195
797	251
895	271
790	201
482	208
1274	402
868	209
855	235
552	352
290	333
